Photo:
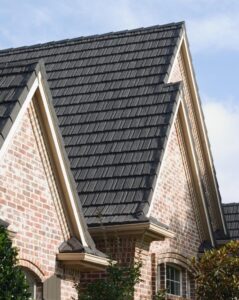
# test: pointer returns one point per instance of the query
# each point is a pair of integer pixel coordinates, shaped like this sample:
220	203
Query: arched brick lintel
34	267
175	258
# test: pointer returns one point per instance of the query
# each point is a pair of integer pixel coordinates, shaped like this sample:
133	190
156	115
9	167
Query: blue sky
212	27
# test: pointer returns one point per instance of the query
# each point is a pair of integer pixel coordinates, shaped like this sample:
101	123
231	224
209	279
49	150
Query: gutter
150	229
84	261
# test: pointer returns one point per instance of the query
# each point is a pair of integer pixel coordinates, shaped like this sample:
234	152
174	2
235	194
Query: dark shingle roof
231	213
15	82
114	111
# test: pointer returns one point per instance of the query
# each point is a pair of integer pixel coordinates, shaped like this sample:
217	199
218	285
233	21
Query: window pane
173	280
168	285
172	273
31	283
172	290
177	275
168	275
177	288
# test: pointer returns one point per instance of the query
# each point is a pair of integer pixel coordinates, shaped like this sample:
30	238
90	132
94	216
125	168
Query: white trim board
184	49
195	163
73	201
38	85
163	159
19	117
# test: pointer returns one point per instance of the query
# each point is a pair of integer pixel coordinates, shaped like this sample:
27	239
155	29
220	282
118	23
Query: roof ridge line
94	36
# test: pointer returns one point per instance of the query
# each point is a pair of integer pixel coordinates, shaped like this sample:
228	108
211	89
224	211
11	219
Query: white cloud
211	24
214	32
222	119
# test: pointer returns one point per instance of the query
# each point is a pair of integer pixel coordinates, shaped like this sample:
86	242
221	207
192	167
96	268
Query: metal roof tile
113	110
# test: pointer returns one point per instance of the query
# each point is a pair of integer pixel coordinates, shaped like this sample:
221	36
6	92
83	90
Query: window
176	279
173	280
34	283
31	282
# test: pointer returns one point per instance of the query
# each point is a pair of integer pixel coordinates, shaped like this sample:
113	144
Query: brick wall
179	73
119	248
68	291
173	205
28	203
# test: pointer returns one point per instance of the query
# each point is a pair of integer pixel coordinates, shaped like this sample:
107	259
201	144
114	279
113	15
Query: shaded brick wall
180	74
119	248
27	203
173	205
68	291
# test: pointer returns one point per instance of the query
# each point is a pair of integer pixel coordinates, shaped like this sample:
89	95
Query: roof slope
114	112
231	213
15	81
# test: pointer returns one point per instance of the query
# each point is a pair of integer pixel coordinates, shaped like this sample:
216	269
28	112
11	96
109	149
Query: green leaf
12	280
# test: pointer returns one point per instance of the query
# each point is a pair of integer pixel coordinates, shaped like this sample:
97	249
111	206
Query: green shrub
161	295
12	280
117	285
217	273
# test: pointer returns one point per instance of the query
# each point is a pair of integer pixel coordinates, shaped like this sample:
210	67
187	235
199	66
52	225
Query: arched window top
34	283
175	279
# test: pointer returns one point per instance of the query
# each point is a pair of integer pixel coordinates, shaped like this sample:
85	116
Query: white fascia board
135	228
37	84
175	58
78	257
192	79
205	136
181	103
63	167
163	159
19	117
196	165
161	230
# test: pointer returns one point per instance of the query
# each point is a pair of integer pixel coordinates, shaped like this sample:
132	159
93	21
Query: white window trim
186	289
188	285
31	280
180	279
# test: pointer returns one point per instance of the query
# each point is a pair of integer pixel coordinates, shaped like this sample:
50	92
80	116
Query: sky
212	29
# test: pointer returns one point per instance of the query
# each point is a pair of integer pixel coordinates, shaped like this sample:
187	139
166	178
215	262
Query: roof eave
84	261
148	229
37	87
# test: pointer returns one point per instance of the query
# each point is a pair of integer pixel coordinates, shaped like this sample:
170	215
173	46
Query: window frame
175	267
31	281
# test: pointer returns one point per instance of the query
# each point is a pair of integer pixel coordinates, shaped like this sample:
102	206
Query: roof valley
113	110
